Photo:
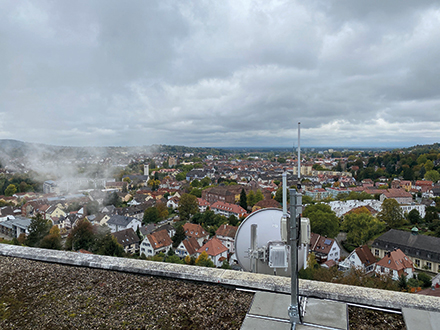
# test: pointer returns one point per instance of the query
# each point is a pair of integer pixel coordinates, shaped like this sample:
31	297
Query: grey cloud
219	73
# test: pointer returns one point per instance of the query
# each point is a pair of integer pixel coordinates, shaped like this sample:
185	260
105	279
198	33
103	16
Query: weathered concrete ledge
323	290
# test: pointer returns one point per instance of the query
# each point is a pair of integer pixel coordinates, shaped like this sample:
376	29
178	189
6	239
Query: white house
120	222
216	251
226	235
155	243
395	263
360	258
188	247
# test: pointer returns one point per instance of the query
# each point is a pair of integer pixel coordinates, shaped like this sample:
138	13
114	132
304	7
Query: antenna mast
299	155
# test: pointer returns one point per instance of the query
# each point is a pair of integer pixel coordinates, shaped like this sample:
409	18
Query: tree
188	206
38	228
109	246
232	220
205	181
391	213
243	199
361	227
53	240
414	216
251	198
111	199
323	220
425	279
179	236
10	190
162	210
432	175
204	261
402	282
258	196
151	215
81	236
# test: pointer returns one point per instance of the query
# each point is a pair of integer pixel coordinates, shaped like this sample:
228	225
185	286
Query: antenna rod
299	153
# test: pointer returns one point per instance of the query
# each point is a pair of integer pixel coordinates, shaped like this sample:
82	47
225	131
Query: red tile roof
159	239
233	208
213	247
226	230
194	230
396	260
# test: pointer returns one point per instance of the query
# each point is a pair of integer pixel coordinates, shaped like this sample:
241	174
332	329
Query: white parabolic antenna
268	223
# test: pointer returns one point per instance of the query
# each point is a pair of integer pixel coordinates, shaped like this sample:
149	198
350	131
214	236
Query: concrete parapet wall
323	290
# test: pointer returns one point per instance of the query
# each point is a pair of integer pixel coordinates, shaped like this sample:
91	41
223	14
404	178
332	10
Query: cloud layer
222	73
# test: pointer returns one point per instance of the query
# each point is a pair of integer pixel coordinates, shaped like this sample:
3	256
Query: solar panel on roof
328	242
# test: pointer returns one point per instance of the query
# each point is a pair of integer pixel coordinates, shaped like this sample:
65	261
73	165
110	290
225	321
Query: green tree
414	216
151	215
109	246
179	236
188	206
10	190
38	228
243	199
403	285
232	220
429	165
204	261
323	220
205	181
361	227
258	196
53	240
81	236
251	198
425	279
391	213
432	175
225	265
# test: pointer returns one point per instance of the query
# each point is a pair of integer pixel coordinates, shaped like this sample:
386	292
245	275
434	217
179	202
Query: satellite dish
271	252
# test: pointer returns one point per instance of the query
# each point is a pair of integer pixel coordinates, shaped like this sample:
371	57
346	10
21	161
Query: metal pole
293	241
253	257
299	154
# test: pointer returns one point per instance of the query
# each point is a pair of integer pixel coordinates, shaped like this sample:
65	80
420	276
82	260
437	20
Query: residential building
360	258
120	222
395	263
14	227
324	248
196	231
128	239
216	251
228	209
424	251
188	247
400	195
226	235
155	243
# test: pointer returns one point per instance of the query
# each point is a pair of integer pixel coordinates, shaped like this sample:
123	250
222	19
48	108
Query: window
417	263
376	252
428	265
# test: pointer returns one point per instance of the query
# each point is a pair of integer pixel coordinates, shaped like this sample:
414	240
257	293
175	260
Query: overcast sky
220	73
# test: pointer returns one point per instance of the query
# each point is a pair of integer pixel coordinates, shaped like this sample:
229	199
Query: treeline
18	183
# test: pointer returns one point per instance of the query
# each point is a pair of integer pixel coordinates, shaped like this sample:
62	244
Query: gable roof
268	203
226	230
213	247
126	237
365	255
396	260
120	220
159	239
321	244
191	245
233	208
194	230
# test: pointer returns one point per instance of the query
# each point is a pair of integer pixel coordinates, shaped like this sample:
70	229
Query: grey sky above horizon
220	73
